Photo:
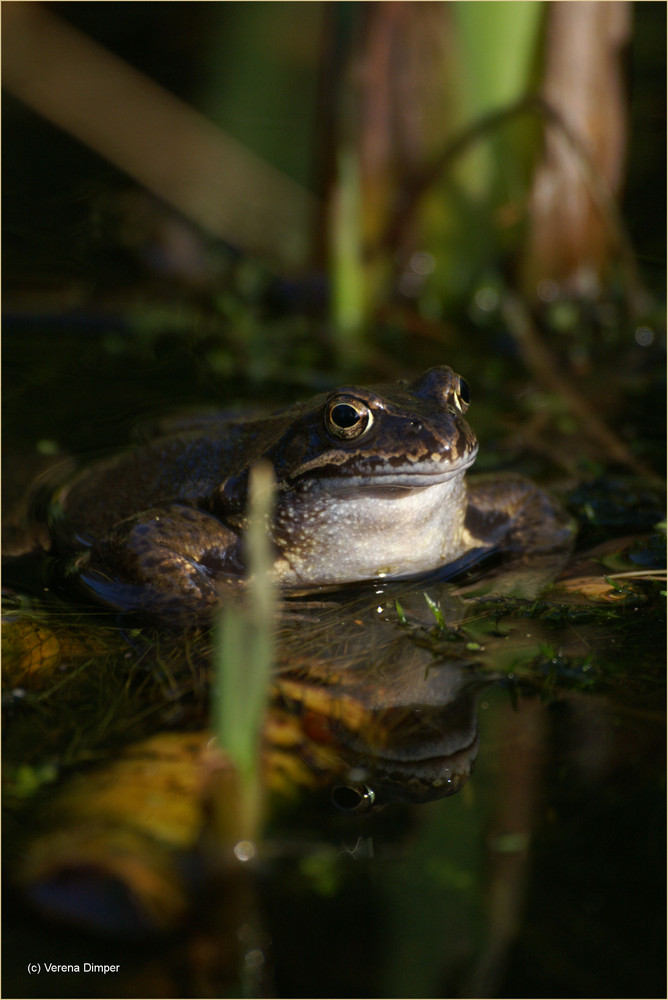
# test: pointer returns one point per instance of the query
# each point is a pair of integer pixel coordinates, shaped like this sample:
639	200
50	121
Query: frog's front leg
167	561
510	513
531	533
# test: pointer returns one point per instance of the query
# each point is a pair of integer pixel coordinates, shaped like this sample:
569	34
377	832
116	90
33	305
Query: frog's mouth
387	480
420	779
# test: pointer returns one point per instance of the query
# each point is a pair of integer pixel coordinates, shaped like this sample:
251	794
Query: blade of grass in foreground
243	658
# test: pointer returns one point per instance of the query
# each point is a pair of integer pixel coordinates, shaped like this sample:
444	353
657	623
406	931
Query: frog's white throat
369	534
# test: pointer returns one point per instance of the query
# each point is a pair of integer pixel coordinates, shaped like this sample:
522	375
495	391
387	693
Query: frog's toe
189	602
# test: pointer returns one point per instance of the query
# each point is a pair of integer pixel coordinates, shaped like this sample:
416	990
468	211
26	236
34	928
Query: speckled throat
328	539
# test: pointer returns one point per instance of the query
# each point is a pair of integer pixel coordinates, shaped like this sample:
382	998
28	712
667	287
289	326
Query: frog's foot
167	561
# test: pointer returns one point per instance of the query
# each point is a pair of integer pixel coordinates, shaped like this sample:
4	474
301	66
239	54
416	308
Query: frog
370	485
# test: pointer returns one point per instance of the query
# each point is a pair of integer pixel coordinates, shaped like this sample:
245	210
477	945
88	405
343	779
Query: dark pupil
464	391
344	415
346	798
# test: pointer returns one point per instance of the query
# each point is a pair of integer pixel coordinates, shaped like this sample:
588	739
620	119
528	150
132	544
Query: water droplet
644	336
244	850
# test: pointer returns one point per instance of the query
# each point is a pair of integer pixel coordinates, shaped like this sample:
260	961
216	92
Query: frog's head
370	481
383	439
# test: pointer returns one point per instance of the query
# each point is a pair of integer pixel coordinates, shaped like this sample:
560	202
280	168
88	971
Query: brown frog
370	485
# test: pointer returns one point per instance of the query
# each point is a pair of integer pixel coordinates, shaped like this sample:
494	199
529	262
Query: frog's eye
347	417
462	395
353	798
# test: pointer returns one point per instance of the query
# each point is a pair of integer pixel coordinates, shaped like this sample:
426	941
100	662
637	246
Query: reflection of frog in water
110	847
370	485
